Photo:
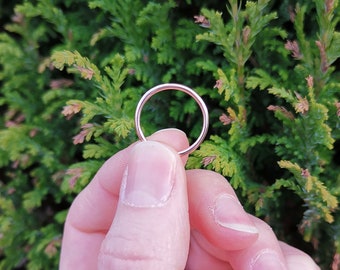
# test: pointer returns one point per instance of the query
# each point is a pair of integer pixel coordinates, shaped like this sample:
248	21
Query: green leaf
223	160
121	126
33	198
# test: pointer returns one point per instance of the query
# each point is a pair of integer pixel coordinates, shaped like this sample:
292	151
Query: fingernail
149	177
268	260
229	213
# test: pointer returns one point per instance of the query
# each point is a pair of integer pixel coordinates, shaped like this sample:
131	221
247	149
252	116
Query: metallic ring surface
182	88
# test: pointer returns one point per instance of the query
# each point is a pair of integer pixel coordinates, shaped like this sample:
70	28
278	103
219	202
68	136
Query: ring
185	89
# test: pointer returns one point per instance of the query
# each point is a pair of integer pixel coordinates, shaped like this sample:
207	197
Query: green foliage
72	72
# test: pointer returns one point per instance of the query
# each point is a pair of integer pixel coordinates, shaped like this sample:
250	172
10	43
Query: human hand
142	210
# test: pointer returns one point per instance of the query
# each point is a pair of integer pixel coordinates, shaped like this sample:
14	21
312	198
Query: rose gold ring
185	89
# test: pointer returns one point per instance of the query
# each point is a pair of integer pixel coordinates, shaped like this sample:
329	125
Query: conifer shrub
72	72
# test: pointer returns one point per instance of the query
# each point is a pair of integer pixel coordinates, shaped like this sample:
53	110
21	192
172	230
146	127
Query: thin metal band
185	89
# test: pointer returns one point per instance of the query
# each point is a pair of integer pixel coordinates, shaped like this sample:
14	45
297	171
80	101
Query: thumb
151	227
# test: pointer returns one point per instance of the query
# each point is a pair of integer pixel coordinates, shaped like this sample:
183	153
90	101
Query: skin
142	210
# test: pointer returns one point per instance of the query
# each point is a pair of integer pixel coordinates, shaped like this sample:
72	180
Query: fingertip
175	138
170	132
297	259
264	253
216	212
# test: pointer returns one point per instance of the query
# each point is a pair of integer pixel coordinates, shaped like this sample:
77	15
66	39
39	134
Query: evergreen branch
221	158
319	200
87	70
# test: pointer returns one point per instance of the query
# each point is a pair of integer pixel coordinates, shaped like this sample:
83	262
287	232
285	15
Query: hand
142	210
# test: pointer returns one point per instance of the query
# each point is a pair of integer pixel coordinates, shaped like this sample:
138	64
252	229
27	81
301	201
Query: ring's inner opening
172	109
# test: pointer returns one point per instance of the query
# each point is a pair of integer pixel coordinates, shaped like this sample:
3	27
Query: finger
216	213
174	138
92	212
151	226
203	255
218	220
265	253
296	259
